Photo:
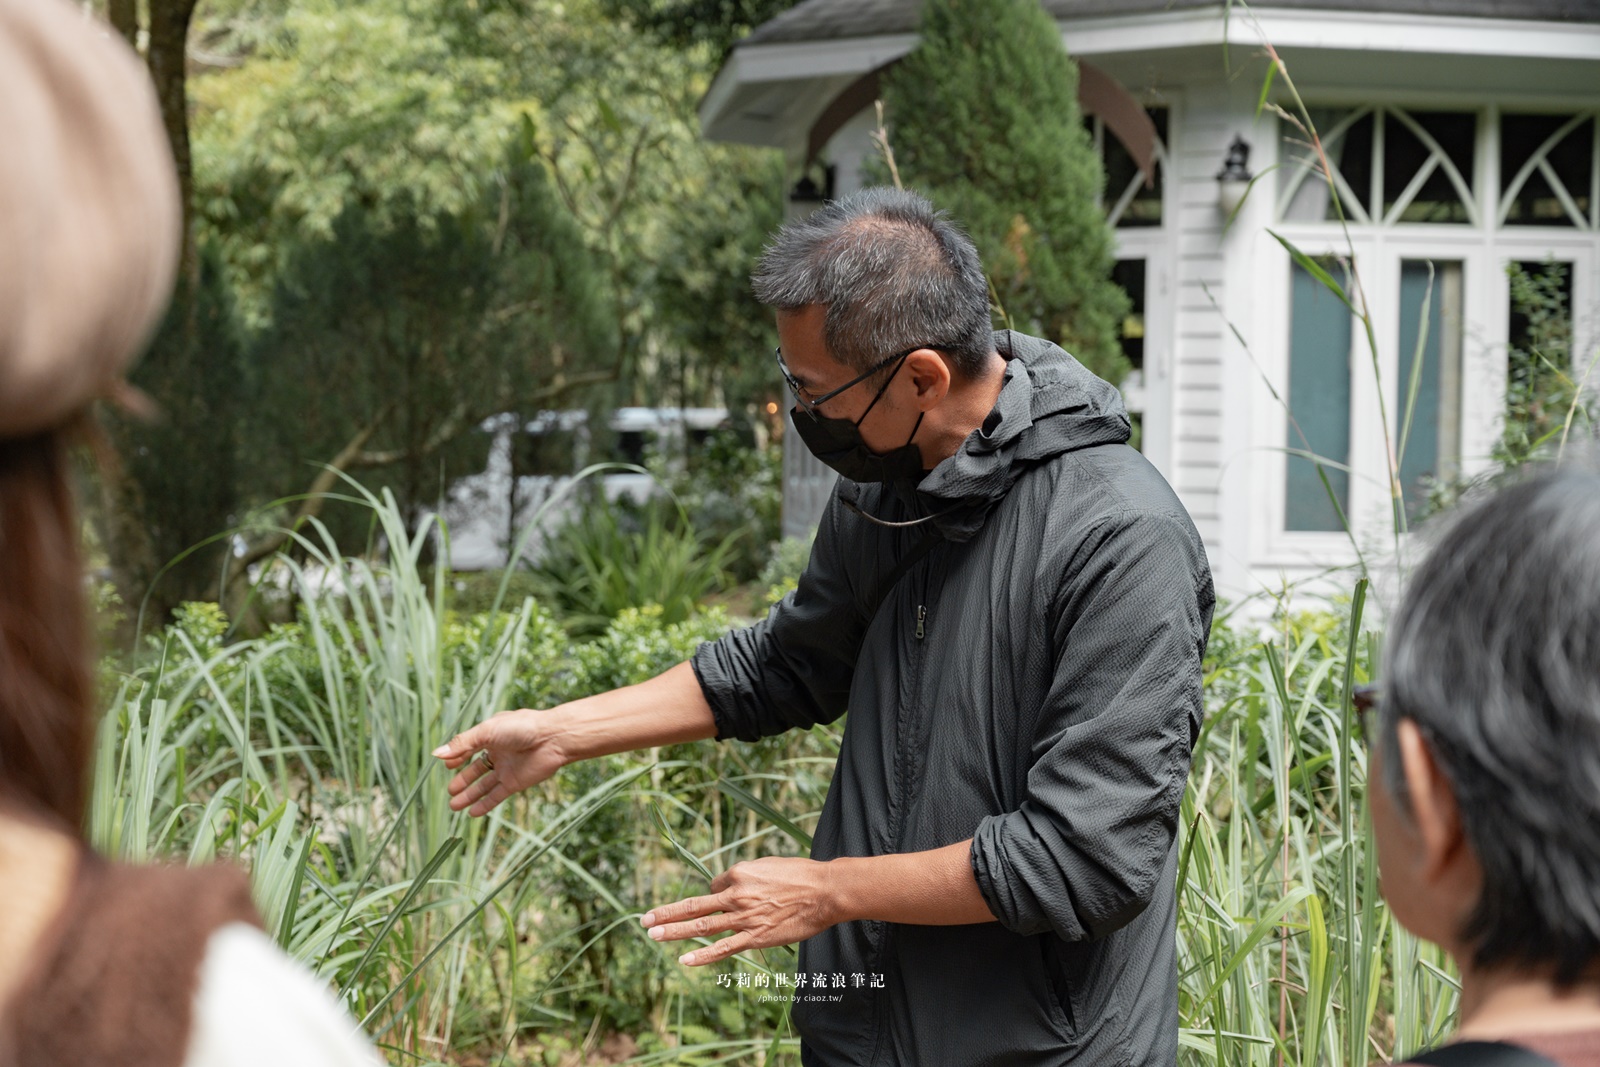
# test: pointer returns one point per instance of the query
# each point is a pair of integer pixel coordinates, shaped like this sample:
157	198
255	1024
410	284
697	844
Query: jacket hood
1049	403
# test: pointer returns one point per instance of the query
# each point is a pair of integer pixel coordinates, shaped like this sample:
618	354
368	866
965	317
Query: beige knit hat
89	213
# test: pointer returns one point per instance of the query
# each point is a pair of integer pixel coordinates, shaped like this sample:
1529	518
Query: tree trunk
124	17
167	57
125	539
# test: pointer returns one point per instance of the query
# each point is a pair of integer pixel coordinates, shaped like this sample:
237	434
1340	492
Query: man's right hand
522	751
525	747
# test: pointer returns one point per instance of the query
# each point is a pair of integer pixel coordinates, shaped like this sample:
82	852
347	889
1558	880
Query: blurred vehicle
530	462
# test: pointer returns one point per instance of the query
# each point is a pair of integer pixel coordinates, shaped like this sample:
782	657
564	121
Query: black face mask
838	443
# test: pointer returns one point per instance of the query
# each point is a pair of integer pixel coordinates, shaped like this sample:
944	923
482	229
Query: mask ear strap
915	428
882	388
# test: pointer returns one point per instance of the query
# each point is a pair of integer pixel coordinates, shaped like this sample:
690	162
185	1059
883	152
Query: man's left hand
775	900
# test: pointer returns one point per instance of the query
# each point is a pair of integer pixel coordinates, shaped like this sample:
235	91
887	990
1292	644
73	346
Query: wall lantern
1233	180
808	194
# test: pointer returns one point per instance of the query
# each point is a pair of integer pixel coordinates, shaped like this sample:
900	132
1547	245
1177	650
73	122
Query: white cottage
1463	134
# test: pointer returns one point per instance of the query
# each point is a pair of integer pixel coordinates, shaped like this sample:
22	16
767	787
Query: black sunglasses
810	406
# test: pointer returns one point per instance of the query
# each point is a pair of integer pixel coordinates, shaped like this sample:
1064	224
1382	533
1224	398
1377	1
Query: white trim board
1335	30
1159	31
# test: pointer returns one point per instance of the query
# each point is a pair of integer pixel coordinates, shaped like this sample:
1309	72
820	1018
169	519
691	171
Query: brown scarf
112	977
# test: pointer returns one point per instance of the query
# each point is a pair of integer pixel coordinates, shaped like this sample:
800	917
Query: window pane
1433	439
1535	202
1348	145
631	446
1539	382
1125	197
1130	274
553	452
1121	171
1319	401
1405	154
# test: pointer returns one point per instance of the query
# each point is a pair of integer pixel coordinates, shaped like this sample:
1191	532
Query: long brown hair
46	683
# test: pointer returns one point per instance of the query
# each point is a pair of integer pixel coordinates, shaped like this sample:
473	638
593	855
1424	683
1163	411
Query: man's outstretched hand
775	900
522	751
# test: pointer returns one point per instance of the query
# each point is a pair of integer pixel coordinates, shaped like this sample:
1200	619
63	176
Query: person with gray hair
1485	782
1013	605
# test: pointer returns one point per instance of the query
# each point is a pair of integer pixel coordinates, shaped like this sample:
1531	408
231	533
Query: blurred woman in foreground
1485	779
100	963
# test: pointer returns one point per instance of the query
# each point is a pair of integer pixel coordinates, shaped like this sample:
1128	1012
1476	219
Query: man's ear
1447	859
930	375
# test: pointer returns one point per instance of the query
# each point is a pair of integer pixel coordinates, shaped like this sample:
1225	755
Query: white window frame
1483	250
1151	392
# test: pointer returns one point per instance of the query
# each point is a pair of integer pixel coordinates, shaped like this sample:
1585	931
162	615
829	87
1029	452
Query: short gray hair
1495	654
893	273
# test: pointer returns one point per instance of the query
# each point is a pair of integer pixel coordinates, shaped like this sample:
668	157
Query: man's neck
971	401
1505	1003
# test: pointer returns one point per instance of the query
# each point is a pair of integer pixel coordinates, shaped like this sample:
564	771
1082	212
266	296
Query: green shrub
729	488
783	569
986	122
605	561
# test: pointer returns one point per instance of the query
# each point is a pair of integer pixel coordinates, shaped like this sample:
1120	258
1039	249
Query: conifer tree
983	119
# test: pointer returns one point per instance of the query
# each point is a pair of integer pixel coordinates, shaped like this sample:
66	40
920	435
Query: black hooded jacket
1032	683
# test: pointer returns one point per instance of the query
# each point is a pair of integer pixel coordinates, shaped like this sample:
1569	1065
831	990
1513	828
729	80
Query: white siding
1200	136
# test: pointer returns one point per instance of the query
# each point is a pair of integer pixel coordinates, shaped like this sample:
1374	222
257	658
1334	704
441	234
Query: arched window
1389	166
1549	171
1128	201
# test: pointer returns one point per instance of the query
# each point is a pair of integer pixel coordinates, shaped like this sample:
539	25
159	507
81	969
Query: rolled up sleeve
793	668
1111	755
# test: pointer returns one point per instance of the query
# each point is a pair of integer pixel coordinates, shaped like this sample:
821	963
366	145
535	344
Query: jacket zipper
902	776
908	714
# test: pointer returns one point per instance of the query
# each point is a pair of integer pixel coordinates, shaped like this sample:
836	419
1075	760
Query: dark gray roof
819	20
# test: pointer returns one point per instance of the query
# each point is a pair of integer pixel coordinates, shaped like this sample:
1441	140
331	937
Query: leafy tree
404	107
673	216
175	483
392	339
683	23
715	338
400	107
985	120
391	277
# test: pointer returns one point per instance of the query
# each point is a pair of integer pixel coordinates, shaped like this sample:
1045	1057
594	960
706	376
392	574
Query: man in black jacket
1013	604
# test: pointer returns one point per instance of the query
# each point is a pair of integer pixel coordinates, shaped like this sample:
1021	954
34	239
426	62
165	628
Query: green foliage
1543	389
181	475
675	218
984	119
1287	952
783	569
400	106
605	560
416	213
730	489
707	323
413	332
638	645
475	592
305	754
685	23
